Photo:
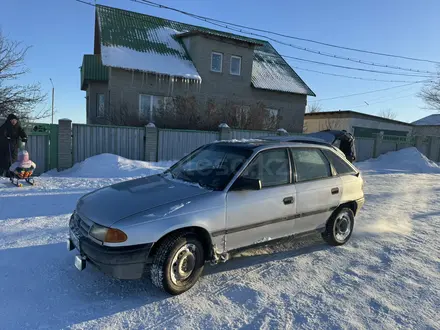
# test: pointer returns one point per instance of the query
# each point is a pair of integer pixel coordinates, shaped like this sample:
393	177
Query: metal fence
38	148
364	148
239	134
175	144
91	140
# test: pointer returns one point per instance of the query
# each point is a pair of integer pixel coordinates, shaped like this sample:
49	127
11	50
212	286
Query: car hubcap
342	227
183	264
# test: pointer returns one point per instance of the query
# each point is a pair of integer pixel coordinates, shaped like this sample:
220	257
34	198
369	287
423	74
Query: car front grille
80	225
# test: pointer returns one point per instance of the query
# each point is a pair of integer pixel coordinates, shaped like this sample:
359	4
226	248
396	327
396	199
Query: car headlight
108	235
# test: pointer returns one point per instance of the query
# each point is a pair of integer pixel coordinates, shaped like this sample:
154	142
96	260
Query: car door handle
335	191
288	200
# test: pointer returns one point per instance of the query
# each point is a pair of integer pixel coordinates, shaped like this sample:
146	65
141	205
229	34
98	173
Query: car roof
297	138
268	143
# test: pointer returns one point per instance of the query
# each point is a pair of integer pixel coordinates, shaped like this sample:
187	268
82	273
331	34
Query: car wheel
339	227
178	263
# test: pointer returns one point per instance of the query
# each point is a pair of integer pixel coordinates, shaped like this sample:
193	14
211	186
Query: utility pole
53	96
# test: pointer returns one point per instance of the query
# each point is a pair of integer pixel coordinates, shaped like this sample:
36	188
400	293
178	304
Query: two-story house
140	61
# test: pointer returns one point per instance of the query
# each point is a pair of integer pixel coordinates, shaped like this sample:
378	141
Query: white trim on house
100	106
239	67
149	114
154	99
221	61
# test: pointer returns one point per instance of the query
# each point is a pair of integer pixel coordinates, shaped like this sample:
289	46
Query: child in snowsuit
23	167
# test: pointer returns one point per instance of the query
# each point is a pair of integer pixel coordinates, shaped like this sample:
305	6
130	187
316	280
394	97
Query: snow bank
408	160
112	166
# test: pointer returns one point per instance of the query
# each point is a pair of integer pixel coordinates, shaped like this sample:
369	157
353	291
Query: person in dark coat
10	133
347	146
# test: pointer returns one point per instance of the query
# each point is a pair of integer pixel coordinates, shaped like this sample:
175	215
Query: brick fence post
64	144
151	143
224	131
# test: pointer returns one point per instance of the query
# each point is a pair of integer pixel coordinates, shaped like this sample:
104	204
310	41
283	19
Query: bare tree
332	124
14	97
187	112
430	93
123	115
314	107
387	113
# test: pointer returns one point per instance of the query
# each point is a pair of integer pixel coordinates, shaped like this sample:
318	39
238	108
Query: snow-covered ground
386	277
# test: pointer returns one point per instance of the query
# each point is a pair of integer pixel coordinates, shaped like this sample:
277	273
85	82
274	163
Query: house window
273	113
100	105
235	65
148	104
216	62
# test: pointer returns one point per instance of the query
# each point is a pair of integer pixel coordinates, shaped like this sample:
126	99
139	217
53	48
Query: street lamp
53	96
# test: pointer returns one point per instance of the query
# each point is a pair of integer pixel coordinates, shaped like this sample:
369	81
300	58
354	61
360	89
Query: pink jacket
23	162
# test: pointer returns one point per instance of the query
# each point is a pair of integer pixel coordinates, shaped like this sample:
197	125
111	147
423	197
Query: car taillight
115	236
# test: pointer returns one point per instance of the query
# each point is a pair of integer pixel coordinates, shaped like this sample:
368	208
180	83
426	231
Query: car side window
310	164
339	165
271	167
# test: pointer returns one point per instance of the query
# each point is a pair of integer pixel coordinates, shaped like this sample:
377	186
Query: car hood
113	203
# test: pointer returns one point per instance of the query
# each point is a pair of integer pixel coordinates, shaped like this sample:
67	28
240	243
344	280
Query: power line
358	69
369	92
392	99
87	3
323	63
287	44
210	20
351	77
300	59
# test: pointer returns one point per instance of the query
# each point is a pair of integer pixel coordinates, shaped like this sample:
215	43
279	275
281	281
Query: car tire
178	263
339	227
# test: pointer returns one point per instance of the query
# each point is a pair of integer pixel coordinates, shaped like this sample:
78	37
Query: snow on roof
172	61
141	42
429	120
271	72
126	58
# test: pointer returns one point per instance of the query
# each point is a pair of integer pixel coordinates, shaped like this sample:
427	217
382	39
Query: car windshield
212	166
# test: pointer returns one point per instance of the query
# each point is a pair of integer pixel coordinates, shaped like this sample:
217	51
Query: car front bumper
359	204
128	262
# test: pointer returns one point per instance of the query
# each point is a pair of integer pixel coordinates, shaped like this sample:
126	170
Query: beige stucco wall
322	121
433	130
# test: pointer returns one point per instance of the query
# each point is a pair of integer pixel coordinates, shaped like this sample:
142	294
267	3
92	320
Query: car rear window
310	164
340	166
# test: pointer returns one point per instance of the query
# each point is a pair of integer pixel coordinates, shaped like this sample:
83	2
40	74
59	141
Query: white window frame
273	112
100	114
239	67
221	61
150	112
166	100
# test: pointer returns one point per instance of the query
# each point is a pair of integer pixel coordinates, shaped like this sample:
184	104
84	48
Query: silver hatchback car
222	197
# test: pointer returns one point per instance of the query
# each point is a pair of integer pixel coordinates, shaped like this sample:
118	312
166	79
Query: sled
22	174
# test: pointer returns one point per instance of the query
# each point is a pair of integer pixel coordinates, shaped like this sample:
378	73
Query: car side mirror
246	184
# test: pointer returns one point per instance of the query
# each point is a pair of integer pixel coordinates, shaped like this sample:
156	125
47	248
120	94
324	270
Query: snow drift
112	166
408	160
